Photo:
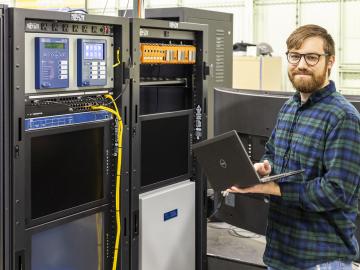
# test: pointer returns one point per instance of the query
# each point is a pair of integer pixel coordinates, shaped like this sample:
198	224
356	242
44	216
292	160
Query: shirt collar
317	95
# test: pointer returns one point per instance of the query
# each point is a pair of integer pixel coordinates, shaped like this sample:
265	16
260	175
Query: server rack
34	217
220	41
4	139
163	93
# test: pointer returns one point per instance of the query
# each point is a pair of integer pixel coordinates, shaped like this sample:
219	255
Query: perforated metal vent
220	56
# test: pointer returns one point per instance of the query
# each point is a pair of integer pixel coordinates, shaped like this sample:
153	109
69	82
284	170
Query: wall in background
49	5
272	21
7	2
339	17
255	21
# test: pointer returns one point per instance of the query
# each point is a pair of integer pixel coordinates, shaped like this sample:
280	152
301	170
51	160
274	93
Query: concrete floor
232	248
234	244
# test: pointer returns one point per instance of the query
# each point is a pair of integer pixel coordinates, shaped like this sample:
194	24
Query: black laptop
226	163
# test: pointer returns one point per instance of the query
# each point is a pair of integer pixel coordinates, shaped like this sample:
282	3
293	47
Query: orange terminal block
152	53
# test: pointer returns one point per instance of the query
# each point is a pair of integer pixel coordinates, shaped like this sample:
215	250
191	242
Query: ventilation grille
220	56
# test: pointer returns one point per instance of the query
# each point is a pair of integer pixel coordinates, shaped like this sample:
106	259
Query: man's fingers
235	189
266	165
263	168
257	166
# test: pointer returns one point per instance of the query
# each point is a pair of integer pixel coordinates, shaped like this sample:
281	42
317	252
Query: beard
309	84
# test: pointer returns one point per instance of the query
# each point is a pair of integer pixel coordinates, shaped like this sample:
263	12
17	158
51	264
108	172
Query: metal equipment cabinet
168	115
4	138
36	213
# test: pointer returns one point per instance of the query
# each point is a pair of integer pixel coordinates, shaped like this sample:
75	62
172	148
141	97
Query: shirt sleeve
339	186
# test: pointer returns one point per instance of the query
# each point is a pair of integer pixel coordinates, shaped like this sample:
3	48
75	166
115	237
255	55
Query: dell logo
222	163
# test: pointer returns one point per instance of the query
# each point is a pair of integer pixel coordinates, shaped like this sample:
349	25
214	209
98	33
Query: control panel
91	68
51	62
87	60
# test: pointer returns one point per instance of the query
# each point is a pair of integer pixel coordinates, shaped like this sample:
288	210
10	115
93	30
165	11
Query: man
311	216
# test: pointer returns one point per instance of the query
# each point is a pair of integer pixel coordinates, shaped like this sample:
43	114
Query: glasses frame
304	55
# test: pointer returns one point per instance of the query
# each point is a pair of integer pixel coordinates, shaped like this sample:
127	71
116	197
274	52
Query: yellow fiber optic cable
117	194
99	107
118	171
118	62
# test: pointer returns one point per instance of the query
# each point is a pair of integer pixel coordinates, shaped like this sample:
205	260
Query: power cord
218	205
127	82
78	10
126	9
355	266
106	3
236	232
232	230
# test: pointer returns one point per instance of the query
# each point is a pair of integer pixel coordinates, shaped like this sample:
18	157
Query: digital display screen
66	170
94	51
171	148
54	45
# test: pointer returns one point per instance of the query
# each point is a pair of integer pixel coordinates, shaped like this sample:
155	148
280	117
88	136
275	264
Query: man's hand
270	188
263	168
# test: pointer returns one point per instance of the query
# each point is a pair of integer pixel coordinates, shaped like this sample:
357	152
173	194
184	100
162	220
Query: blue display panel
51	63
170	215
94	51
65	120
91	65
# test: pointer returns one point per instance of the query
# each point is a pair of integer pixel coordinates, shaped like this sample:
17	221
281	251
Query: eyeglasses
310	58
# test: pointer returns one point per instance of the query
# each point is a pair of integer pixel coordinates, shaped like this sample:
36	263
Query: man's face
304	77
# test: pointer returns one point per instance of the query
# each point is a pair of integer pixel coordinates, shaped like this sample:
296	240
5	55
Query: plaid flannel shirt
313	220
